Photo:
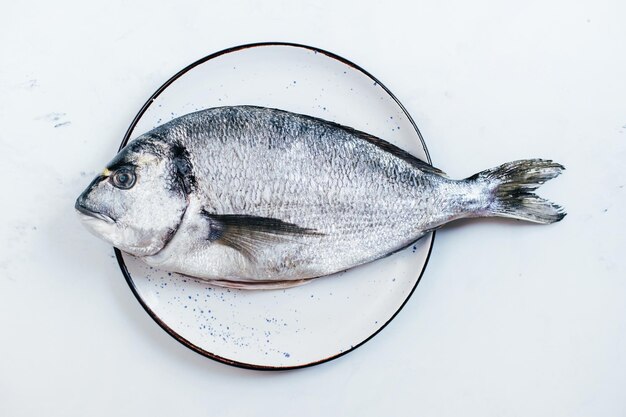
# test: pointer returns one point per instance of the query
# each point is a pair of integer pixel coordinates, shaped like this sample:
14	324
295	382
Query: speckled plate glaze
317	322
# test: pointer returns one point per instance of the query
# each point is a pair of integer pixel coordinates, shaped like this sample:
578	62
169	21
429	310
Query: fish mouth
81	208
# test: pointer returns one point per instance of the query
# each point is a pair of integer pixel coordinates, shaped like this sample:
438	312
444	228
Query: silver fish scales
252	197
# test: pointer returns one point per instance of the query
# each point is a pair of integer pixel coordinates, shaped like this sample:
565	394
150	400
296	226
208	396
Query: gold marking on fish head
145	159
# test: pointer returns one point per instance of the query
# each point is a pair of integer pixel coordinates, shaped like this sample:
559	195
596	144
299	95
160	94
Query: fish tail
510	188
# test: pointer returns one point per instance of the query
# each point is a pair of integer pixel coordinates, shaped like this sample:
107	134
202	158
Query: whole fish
252	197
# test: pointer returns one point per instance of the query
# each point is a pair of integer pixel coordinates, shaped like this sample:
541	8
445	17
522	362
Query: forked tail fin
511	188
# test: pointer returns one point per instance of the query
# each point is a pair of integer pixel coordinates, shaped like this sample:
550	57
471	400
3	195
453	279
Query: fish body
253	197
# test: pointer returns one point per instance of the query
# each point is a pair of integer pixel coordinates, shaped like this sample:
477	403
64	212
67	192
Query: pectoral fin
247	234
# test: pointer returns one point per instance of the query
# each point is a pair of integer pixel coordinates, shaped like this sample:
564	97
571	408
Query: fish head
138	201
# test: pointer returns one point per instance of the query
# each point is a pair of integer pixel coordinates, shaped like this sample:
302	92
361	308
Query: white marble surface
508	320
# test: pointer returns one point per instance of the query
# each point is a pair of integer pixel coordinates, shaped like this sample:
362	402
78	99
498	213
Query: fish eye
124	178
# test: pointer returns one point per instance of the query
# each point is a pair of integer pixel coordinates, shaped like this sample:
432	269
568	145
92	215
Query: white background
509	319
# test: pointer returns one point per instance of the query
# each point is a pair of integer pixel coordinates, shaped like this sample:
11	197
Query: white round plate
302	326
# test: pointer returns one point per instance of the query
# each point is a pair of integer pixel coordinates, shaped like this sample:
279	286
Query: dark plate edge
122	264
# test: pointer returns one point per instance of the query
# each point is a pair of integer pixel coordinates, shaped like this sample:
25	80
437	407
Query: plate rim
122	263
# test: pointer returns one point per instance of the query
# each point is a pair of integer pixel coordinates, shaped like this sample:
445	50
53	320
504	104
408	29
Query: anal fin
258	285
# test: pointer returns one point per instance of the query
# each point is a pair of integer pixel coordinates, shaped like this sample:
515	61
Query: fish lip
91	213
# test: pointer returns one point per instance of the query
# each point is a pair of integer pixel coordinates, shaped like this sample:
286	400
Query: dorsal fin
399	152
382	144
